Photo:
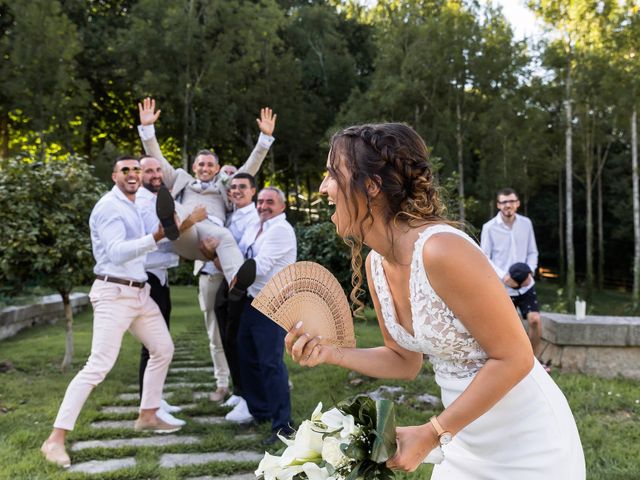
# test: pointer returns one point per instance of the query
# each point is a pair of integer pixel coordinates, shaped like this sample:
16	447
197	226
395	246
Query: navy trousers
162	296
265	382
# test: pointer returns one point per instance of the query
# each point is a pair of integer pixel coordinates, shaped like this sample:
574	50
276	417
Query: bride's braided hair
396	158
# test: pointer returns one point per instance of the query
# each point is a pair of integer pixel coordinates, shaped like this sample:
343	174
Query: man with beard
121	302
158	262
509	242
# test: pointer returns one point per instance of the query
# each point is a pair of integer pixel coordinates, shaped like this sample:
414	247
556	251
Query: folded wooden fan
309	292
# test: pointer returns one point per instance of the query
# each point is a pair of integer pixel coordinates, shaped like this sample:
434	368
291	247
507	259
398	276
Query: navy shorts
527	302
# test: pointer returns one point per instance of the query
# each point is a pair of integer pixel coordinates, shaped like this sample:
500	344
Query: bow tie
205	185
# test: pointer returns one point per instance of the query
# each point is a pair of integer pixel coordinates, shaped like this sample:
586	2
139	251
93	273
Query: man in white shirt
158	262
121	302
208	188
265	382
222	347
509	242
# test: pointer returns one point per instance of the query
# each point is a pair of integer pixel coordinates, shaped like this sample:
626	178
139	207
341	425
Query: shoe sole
245	277
165	209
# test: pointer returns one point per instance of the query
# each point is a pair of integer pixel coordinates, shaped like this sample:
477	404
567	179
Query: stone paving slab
239	476
170	460
190	363
209	420
136	396
103	466
127	424
178	385
159	441
190	369
125	409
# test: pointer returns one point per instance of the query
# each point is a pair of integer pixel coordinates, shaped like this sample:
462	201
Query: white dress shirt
237	223
118	237
505	246
273	248
159	261
241	220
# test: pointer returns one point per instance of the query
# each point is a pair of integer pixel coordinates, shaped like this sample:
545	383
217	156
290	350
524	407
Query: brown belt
121	281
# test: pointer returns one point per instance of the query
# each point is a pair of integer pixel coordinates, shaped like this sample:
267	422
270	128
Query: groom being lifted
208	188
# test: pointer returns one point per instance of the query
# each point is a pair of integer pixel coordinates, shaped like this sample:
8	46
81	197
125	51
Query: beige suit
188	193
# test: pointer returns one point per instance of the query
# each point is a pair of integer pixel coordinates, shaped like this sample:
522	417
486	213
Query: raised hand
147	109
267	121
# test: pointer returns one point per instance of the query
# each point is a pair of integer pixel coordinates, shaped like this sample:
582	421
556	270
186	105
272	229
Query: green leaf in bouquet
384	446
354	450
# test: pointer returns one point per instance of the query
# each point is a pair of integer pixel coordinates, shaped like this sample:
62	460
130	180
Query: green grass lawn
606	410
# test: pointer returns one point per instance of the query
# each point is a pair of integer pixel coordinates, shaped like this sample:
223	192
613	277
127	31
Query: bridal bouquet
351	441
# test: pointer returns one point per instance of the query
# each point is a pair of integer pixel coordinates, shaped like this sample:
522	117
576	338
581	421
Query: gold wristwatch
443	436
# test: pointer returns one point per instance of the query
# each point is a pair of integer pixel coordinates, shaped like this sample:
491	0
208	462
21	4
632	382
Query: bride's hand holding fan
308	302
306	350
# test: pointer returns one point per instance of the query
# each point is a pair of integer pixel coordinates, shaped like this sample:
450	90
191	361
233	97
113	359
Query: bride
435	293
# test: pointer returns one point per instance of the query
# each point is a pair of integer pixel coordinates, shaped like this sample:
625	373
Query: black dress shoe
288	433
165	209
270	440
244	278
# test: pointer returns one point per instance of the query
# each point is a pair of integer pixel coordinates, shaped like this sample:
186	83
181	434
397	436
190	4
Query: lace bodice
437	332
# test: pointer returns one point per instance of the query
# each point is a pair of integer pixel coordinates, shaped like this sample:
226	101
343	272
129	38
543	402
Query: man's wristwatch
443	436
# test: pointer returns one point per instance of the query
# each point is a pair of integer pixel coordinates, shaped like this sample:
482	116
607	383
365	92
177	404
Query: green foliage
45	228
319	243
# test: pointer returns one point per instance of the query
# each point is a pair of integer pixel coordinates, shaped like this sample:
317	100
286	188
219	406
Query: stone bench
48	309
598	345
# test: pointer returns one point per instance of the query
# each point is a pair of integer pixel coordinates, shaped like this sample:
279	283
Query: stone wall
598	345
48	310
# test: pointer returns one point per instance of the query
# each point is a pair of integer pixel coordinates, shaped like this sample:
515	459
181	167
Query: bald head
152	178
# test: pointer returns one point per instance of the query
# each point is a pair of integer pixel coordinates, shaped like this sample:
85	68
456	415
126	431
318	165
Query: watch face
445	438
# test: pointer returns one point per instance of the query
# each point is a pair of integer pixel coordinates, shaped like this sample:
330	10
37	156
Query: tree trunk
187	95
68	315
460	158
589	229
600	236
588	181
561	260
636	207
571	257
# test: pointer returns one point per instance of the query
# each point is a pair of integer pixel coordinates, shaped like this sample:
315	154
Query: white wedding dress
530	434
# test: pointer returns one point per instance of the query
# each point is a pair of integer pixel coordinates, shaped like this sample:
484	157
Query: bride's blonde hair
396	159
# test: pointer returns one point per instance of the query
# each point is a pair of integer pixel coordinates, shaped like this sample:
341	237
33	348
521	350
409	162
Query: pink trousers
116	309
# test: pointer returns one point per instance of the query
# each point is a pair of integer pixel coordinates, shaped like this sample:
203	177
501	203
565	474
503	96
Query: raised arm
266	124
146	130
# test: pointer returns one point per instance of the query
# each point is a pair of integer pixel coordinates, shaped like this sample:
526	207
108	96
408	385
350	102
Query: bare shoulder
449	253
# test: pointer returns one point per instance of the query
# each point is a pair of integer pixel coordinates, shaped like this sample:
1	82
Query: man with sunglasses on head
509	242
121	301
208	188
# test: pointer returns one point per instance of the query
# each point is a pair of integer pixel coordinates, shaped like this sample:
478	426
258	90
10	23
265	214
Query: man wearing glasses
210	189
212	293
509	242
121	301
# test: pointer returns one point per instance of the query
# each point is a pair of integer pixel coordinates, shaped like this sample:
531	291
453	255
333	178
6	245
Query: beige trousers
116	309
188	245
208	286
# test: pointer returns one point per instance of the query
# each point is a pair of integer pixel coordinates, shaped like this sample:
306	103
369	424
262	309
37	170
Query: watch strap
436	424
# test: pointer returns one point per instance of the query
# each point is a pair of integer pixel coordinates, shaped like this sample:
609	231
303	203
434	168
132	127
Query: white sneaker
169	408
166	417
232	401
240	414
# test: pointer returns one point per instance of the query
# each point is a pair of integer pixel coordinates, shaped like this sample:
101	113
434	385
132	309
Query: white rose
332	453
